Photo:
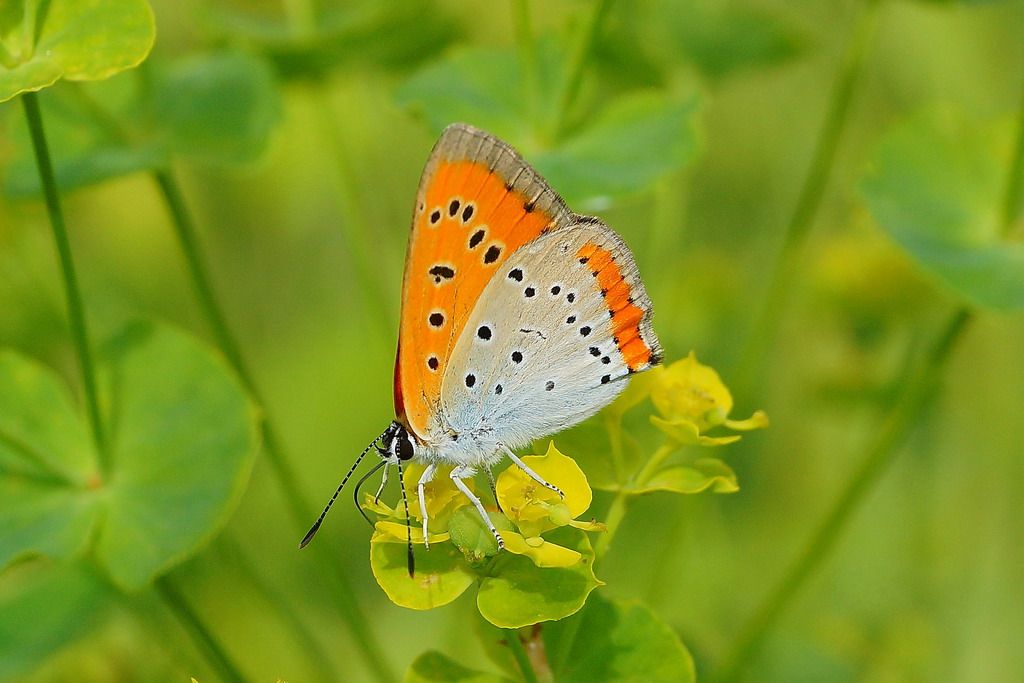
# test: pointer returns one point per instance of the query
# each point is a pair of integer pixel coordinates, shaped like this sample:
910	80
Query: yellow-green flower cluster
541	532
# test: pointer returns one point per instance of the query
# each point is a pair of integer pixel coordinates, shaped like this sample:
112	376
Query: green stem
577	66
809	200
284	607
918	390
527	54
185	230
197	631
355	223
612	519
73	295
299	509
911	402
653	463
515	645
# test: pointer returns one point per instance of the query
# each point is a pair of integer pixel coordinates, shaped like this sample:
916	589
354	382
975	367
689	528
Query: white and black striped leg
530	473
428	474
494	489
383	482
465	472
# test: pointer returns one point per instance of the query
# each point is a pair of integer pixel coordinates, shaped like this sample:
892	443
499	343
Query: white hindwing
538	354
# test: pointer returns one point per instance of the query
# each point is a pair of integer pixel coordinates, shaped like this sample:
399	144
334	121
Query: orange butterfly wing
478	202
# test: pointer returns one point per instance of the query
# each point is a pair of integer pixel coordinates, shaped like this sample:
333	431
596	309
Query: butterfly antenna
359	485
316	525
408	525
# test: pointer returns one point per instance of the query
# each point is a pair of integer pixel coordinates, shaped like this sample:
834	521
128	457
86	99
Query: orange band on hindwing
625	315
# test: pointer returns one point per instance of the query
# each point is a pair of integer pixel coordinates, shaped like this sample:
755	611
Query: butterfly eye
405	448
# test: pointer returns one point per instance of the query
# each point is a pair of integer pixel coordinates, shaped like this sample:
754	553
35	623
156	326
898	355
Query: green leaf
703	474
80	40
517	593
48	500
182	438
392	35
441	573
184	442
616	640
216	108
722	38
476	86
434	667
935	186
43	607
630	145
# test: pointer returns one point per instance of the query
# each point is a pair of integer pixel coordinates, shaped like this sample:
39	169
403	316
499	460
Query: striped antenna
316	525
408	527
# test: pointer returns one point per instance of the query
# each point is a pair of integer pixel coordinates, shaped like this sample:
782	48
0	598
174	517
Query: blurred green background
304	219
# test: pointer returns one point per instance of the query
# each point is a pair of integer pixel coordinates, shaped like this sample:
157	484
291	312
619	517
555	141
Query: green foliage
515	592
434	667
79	40
44	607
935	186
392	35
183	441
617	640
701	475
216	108
722	38
600	97
622	149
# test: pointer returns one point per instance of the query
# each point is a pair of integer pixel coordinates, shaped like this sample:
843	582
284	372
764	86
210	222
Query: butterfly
520	318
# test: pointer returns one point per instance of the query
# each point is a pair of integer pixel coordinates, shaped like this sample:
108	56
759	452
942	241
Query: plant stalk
72	293
527	48
577	65
918	390
812	192
197	631
299	509
355	222
515	645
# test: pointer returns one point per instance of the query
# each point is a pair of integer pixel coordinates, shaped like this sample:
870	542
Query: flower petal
527	502
681	430
542	552
759	420
689	390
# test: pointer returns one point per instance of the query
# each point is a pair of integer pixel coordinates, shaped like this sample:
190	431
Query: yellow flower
441	495
532	506
692	400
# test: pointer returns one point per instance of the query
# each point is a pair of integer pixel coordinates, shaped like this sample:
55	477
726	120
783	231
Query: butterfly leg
428	474
494	489
464	472
383	483
530	473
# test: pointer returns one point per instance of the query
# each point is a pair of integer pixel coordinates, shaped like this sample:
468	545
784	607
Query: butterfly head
396	443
